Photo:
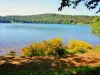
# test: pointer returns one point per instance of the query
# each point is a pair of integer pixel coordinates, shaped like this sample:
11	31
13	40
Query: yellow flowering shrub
47	47
79	45
52	45
55	47
26	51
37	48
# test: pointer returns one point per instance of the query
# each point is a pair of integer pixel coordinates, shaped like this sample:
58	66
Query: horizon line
49	13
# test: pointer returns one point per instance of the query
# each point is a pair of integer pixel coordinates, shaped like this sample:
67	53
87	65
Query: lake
16	36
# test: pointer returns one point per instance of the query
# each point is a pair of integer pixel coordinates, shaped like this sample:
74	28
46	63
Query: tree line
48	19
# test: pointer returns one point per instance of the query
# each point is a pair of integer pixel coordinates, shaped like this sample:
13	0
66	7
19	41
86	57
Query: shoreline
17	48
81	24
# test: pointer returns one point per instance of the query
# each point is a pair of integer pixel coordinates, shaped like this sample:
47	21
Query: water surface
16	36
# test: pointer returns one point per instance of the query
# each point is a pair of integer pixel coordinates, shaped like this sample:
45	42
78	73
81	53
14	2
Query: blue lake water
16	36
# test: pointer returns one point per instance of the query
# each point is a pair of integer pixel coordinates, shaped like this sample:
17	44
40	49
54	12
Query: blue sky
32	7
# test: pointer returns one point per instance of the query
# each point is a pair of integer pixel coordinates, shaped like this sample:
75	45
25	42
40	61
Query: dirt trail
48	62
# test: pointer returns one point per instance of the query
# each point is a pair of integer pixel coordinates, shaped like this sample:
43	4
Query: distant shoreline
52	24
48	19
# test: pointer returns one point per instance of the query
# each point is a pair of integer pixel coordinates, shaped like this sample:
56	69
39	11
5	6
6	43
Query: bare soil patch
38	63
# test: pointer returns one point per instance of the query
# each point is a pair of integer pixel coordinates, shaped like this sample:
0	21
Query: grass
85	71
70	71
50	72
97	48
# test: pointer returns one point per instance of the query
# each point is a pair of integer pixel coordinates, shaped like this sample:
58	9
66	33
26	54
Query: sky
33	7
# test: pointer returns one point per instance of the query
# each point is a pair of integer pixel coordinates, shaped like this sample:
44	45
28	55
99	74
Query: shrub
12	53
26	52
55	47
79	46
82	50
97	48
37	49
47	47
78	43
70	51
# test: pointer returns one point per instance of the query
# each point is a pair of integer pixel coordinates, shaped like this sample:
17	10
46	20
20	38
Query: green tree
90	4
96	26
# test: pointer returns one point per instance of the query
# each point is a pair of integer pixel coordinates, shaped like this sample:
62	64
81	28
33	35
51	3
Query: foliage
37	49
79	46
78	43
69	71
90	4
96	26
12	53
47	19
84	71
56	47
74	51
97	48
49	47
26	52
50	72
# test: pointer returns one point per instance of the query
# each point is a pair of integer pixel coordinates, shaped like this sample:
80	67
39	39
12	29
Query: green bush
12	53
97	48
96	26
82	50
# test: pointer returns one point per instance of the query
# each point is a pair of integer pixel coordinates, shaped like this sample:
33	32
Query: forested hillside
48	19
